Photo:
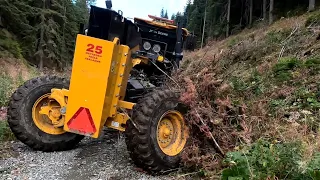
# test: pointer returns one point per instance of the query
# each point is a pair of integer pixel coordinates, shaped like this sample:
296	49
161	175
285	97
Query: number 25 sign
94	49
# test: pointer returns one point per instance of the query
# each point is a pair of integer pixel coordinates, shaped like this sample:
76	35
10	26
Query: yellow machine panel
95	84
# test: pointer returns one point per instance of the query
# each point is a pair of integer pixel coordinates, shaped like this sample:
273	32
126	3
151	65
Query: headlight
156	48
147	45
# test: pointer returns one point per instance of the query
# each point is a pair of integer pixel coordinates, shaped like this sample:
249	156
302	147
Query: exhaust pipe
179	45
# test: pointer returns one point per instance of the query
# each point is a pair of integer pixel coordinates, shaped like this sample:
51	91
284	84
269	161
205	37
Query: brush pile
260	84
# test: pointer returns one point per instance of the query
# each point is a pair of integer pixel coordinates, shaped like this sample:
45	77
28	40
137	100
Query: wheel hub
171	133
165	132
47	112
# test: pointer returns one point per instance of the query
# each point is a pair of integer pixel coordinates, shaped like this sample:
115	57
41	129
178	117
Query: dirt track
94	159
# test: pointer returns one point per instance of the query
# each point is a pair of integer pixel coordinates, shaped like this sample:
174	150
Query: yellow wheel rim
172	133
43	121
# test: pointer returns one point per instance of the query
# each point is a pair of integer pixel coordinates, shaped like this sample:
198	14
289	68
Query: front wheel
34	128
157	133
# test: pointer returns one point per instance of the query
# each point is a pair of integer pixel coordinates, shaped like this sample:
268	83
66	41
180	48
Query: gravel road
94	159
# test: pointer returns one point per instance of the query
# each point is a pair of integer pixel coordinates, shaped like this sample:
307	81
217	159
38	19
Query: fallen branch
285	42
188	174
214	140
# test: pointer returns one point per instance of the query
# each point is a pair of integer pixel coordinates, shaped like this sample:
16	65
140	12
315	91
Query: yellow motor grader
117	81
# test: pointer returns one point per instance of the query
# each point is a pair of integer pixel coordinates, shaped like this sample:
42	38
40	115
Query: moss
283	70
286	64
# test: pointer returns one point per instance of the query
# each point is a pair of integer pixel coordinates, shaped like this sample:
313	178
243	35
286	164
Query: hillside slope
256	93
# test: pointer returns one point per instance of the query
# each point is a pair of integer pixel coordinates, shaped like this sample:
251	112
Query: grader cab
118	69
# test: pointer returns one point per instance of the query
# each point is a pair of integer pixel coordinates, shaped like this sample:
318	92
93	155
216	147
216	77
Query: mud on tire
143	146
20	116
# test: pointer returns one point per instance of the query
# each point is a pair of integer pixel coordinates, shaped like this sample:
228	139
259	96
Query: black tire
143	146
20	116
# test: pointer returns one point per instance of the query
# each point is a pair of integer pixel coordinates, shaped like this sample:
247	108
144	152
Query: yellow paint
118	122
59	96
116	82
164	25
172	133
125	104
56	100
126	74
97	79
160	58
116	41
135	62
46	117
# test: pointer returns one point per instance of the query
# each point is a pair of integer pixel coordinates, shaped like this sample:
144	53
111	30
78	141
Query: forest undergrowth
254	103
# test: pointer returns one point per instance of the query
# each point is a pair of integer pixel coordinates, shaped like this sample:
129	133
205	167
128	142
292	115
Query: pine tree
166	15
179	18
14	16
71	29
46	29
162	13
173	17
51	19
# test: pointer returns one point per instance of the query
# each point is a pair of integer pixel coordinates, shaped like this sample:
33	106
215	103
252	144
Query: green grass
255	84
8	45
232	42
313	19
238	84
5	132
12	47
265	160
276	37
6	86
313	64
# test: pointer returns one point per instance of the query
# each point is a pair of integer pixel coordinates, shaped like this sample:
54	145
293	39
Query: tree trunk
228	18
265	10
271	11
251	9
1	24
311	5
241	18
204	24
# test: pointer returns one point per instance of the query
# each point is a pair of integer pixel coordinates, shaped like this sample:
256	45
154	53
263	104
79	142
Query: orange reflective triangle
82	122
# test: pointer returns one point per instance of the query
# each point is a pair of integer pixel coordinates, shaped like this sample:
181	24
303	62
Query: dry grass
237	94
13	73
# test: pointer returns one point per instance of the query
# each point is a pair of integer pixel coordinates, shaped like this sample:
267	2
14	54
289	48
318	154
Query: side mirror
109	4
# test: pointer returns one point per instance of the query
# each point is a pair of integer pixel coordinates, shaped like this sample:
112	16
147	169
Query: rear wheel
36	120
157	134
